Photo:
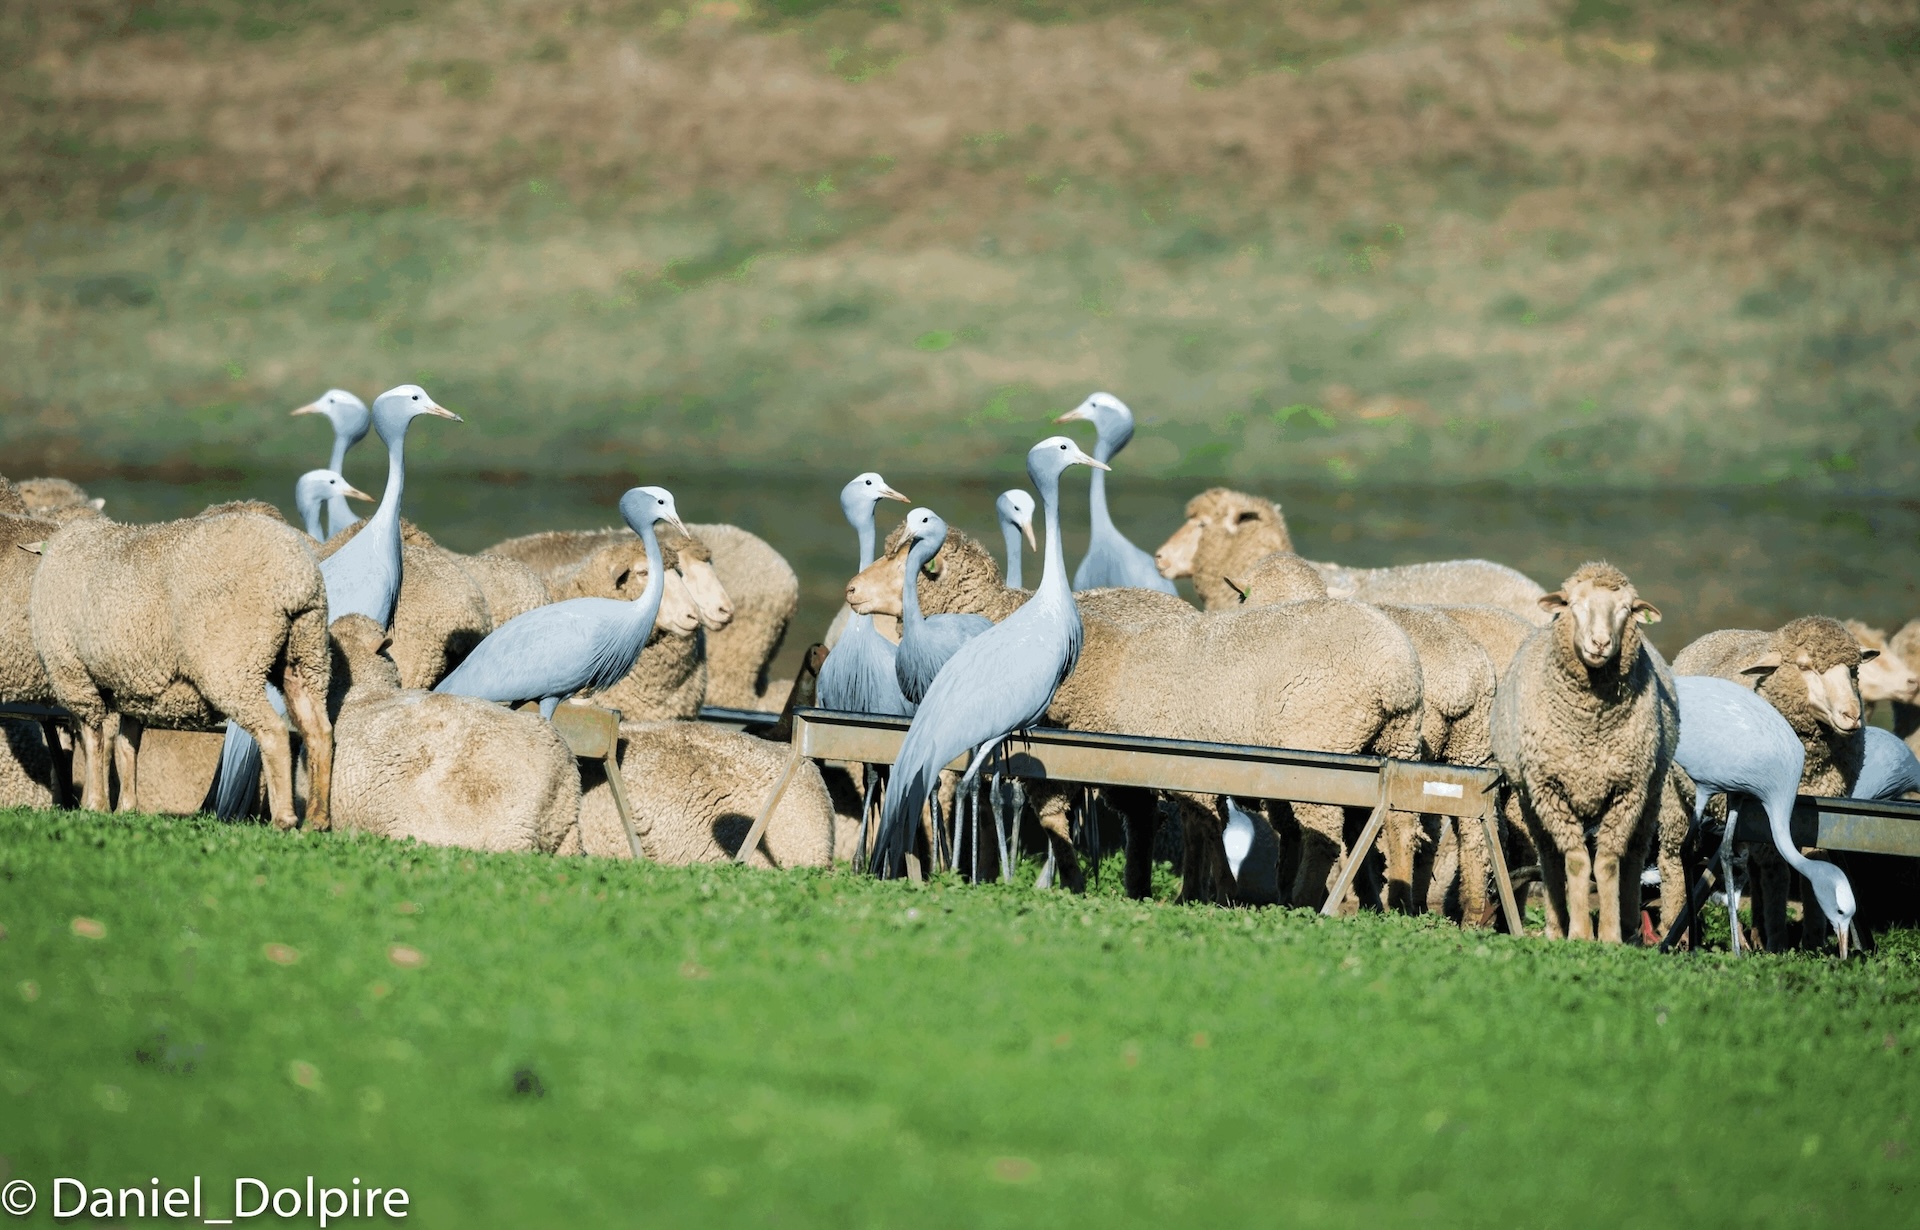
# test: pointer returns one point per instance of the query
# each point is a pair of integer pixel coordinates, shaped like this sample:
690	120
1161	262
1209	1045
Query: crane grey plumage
1111	559
1733	742
549	653
351	419
927	641
1889	769
362	578
999	682
312	490
1015	507
858	675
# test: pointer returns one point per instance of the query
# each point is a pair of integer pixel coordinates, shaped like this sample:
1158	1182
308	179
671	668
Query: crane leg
1726	877
547	706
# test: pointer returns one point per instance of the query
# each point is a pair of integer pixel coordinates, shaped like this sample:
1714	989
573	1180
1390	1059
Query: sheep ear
1868	655
1236	587
618	572
1767	662
1645	611
386	643
1553	603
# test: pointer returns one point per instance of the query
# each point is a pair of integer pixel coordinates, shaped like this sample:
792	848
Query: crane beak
440	411
676	523
312	407
354	493
1843	940
1026	527
890	494
1075	415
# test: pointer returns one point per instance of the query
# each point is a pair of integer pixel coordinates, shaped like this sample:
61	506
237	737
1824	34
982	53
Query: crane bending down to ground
1111	559
350	418
1015	507
363	577
999	682
549	653
1732	741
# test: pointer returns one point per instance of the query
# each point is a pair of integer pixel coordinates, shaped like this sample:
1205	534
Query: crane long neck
339	513
310	513
1097	498
648	603
910	588
389	510
1014	561
864	527
1053	569
1779	817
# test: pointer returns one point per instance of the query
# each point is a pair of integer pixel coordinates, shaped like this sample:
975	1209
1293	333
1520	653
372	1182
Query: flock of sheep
142	631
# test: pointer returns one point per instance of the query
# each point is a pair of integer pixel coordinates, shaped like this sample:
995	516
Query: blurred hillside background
1353	242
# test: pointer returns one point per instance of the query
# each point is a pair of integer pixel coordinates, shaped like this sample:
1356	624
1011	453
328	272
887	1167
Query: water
1707	559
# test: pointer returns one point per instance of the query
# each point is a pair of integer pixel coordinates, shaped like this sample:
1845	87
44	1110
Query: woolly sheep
440	614
765	594
57	499
1585	724
556	552
1886	676
1905	645
184	623
443	770
23	678
695	790
1457	684
669	678
1229	531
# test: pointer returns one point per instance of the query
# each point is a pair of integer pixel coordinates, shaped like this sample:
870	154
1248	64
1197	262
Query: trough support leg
617	785
1516	921
759	828
1689	917
1362	846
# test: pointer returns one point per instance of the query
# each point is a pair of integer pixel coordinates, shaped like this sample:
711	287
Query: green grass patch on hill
530	1041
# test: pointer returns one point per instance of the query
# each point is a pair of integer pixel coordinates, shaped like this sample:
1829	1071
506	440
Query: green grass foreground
706	1046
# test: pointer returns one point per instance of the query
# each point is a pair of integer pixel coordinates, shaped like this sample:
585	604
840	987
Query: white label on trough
1447	790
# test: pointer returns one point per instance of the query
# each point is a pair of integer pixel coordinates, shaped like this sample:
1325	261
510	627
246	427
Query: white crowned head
1015	507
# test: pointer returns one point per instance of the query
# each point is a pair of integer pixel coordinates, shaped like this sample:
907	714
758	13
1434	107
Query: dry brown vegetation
1601	242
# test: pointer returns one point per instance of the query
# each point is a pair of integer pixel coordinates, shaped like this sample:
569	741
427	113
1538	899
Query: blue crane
1110	559
999	682
549	653
1888	770
858	675
350	418
312	490
362	578
1015	507
927	641
1733	742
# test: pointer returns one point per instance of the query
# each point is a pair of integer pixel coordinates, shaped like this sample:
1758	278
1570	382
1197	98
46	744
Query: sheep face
1600	602
1216	510
1884	675
878	588
1833	693
708	594
1174	559
679	614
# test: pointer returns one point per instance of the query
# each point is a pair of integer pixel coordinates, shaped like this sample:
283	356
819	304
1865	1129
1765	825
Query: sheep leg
1472	872
1204	873
126	762
1142	816
1322	842
1772	881
257	717
1607	871
309	713
1055	822
93	745
1406	842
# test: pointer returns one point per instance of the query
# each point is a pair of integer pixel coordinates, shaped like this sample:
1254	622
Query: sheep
1905	645
23	678
1584	725
1319	674
696	788
26	765
443	770
765	594
1808	669
184	624
669	679
509	587
1886	676
1457	684
57	499
440	614
177	768
1229	531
